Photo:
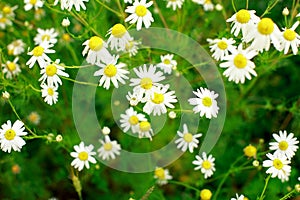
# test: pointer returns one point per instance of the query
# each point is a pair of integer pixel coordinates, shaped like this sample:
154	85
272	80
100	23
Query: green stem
84	22
247	4
265	187
109	8
80	82
288	195
233	5
184	185
121	9
269	8
161	16
33	88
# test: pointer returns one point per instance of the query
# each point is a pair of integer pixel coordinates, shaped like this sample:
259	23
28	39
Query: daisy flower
145	130
139	14
10	136
39	55
162	175
69	4
134	98
46	35
49	93
29	4
286	144
159	101
167	63
4	21
131	119
205	103
111	71
263	34
16	47
205	164
242	21
131	47
278	166
289	38
207	4
175	4
109	149
96	51
11	68
187	140
239	65
34	118
238	197
118	38
83	156
52	72
9	11
221	47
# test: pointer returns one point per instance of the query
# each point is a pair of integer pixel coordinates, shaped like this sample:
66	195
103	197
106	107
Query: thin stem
184	185
247	4
33	88
84	22
288	195
161	16
265	187
79	82
269	8
121	9
220	185
109	8
233	5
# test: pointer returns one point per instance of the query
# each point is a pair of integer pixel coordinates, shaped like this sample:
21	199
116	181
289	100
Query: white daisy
9	11
10	136
205	164
205	103
52	72
167	63
242	21
109	149
111	71
286	144
175	4
83	156
239	65
95	47
134	98
187	140
4	21
139	14
145	130
162	175
118	38
278	166
69	4
289	38
207	4
221	47
39	55
131	47
159	100
49	93
11	68
46	35
16	47
29	4
238	197
131	119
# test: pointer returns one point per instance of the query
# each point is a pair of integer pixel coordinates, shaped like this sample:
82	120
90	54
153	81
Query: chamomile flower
49	93
131	119
187	140
205	164
10	136
96	51
286	144
16	47
145	130
290	39
221	47
139	14
109	149
238	197
262	34
207	4
4	21
131	47
118	38
205	194
278	166
11	68
51	73
159	100
34	118
36	4
69	4
242	21
239	65
83	156
39	54
46	35
111	71
162	175
134	98
175	4
9	11
167	63
205	103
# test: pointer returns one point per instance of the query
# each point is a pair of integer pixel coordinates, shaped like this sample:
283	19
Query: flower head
205	164
162	175
109	149
131	119
83	156
119	37
187	140
290	39
39	54
221	47
175	4
11	68
50	94
167	63
36	4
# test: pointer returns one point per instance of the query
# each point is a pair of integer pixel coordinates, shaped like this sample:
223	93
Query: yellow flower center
207	2
6	10
118	30
167	61
265	26
45	37
129	45
222	45
110	70
2	20
207	101
11	66
145	126
66	37
95	43
146	83
188	137
243	16
50	91
107	146
11	51
160	173
205	194
33	2
289	34
38	51
83	156
10	134
206	164
283	145
250	151
277	164
51	70
33	117
158	98
140	10
240	61
133	120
